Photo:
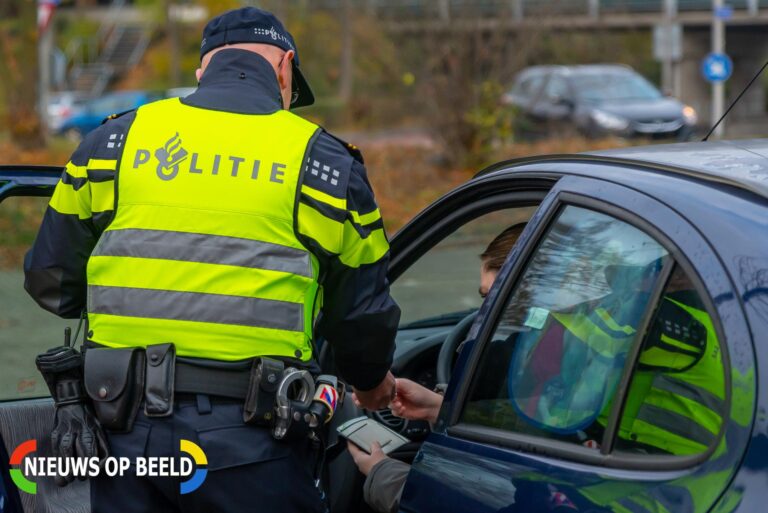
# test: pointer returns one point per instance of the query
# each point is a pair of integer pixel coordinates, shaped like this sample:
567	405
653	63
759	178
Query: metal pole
444	10
718	88
666	63
669	65
517	10
593	8
752	7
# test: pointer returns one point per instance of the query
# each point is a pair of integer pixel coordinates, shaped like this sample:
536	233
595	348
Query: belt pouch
114	380
158	382
259	408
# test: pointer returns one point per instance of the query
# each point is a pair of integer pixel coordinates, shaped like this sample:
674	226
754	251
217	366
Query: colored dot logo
18	478
198	456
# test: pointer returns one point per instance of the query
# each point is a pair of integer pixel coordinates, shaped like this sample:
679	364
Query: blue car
614	366
93	112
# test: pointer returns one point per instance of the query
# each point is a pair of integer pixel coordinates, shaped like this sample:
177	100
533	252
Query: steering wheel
451	344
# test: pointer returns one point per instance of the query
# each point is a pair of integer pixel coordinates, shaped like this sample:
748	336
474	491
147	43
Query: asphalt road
445	281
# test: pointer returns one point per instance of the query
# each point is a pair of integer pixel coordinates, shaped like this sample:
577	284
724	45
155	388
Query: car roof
579	69
743	163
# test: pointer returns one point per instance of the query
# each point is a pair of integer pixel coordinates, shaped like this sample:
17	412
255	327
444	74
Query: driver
386	476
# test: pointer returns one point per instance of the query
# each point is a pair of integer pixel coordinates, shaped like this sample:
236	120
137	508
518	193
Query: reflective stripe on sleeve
366	219
359	251
102	164
68	200
342	239
323	197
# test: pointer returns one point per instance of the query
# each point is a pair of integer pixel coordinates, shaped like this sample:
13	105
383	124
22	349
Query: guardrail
441	9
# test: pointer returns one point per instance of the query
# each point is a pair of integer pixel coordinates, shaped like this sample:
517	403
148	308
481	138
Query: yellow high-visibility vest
202	250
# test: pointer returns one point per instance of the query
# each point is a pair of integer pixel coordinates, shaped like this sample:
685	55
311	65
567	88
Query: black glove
76	431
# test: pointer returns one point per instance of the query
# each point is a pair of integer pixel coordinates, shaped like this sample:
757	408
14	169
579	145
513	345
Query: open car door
26	410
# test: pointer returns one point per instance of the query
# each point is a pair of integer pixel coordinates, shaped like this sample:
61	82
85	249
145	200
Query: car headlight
689	115
609	121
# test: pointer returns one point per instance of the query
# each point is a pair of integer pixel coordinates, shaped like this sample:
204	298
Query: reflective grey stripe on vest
195	306
204	248
676	424
689	391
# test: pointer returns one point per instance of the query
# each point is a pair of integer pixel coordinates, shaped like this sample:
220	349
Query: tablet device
362	431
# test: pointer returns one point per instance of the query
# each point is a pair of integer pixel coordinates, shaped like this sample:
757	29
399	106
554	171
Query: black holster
159	380
114	380
259	407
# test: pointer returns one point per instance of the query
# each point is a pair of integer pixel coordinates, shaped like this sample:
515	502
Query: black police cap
252	25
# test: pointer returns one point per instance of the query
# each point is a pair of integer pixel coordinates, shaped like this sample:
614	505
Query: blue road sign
717	67
724	13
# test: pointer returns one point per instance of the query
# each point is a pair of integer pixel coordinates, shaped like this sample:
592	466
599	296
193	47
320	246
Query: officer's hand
379	397
415	402
364	461
77	434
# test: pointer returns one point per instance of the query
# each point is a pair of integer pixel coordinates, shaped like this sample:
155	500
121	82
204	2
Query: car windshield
605	87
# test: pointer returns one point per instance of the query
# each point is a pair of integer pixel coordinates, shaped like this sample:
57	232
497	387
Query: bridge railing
437	9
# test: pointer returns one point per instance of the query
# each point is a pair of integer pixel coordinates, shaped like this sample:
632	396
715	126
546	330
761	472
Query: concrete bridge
418	14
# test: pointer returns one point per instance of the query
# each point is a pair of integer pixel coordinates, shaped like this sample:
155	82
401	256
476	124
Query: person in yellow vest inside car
209	242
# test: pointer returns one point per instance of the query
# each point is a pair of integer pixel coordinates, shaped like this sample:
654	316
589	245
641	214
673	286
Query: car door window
446	278
25	328
529	87
559	350
556	90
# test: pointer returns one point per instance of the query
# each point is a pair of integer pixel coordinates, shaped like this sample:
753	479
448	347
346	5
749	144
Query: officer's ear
199	74
284	70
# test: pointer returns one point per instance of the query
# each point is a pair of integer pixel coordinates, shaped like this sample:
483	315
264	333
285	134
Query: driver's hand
415	402
379	397
364	461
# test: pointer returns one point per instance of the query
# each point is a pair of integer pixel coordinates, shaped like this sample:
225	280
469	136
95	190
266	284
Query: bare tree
468	61
18	67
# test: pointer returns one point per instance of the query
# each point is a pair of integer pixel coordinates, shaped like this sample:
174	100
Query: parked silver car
604	99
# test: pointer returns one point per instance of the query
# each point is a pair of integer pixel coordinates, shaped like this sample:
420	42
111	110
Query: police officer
200	234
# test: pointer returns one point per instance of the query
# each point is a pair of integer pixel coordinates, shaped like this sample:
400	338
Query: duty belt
291	402
226	380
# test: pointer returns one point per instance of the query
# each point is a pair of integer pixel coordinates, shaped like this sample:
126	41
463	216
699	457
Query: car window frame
536	446
474	199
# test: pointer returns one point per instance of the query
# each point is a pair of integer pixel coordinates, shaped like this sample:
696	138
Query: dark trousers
247	469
